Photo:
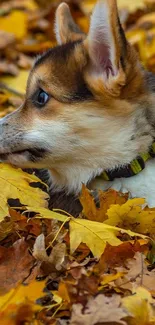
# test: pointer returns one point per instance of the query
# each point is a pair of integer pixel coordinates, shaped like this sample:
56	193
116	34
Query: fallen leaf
8	68
15	23
15	265
111	277
23	294
141	307
16	184
6	39
116	256
137	273
19	314
132	215
99	310
95	235
48	214
131	5
6	228
17	84
106	199
50	262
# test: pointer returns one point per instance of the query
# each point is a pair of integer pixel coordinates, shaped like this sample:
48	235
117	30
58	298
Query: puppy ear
66	29
107	47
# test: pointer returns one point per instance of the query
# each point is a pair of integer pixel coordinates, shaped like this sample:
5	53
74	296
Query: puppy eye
41	98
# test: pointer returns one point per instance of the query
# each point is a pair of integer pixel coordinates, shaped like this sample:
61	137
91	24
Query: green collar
134	168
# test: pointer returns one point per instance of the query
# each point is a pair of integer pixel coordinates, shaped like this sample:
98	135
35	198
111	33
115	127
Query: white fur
100	33
141	185
57	31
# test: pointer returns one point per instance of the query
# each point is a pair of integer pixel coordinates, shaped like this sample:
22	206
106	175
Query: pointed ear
107	46
66	29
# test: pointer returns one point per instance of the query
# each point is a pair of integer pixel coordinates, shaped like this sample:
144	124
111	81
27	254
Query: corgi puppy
89	112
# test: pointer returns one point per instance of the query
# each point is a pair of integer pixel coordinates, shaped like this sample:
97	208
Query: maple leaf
99	310
15	264
136	273
106	199
132	215
16	184
94	234
23	294
116	256
140	307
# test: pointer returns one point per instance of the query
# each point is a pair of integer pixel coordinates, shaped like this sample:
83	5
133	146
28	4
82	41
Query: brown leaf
137	273
15	265
6	39
101	309
116	256
52	262
89	284
8	68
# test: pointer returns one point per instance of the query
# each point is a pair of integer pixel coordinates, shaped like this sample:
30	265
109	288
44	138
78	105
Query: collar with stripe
134	168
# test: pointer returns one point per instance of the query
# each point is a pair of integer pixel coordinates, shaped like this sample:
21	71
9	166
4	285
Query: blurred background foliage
26	30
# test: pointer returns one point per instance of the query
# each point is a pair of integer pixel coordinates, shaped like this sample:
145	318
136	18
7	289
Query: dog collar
132	169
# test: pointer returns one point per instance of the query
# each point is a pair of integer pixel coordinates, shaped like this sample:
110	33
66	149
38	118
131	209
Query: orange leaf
106	199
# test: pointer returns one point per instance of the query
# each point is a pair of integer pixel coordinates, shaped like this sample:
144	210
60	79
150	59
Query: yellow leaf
23	294
111	277
95	235
131	5
15	23
19	314
106	199
47	214
131	215
17	83
140	307
16	184
87	5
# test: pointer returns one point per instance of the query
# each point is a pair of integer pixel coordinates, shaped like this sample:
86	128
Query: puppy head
80	100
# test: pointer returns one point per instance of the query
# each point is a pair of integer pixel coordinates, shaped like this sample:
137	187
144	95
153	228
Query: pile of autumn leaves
55	269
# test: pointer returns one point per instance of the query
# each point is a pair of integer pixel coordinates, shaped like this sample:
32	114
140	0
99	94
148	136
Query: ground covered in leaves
55	269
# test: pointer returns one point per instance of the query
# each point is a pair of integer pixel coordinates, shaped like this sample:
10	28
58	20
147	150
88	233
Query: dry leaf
131	5
56	258
95	235
99	310
17	84
137	274
141	307
132	215
15	23
19	314
106	199
16	184
6	39
23	294
15	265
8	68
